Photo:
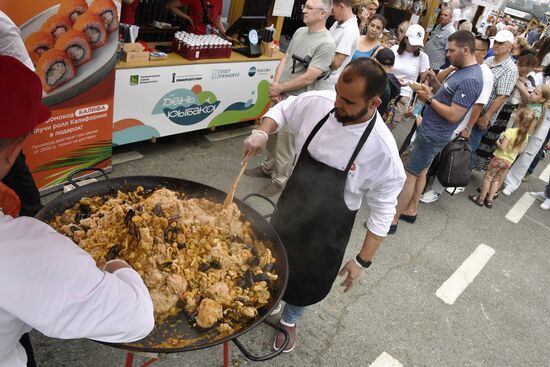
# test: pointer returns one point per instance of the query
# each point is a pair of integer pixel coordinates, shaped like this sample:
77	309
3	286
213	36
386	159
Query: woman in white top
410	62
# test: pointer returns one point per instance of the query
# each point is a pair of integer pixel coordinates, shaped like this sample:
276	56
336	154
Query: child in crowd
540	98
509	146
390	97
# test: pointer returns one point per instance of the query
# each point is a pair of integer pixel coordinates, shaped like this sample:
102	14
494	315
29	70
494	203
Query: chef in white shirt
346	153
46	281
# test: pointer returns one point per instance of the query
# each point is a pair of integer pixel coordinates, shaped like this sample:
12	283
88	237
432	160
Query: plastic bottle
418	107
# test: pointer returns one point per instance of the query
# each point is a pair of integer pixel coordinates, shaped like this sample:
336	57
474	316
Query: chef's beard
349	118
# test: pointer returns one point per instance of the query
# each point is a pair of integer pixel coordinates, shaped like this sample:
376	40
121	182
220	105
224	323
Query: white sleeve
346	46
286	113
424	62
11	43
382	203
546	60
488	80
61	293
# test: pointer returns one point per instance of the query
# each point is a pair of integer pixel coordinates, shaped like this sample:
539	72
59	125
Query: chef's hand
275	89
254	143
353	271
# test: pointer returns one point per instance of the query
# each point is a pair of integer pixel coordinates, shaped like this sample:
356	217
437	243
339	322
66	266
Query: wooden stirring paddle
229	198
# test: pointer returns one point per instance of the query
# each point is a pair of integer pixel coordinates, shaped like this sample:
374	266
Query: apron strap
360	144
316	129
362	141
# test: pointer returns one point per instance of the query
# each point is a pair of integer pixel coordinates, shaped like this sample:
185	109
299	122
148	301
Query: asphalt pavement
393	317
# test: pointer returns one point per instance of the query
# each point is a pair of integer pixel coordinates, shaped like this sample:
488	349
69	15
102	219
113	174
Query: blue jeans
547	191
423	151
291	314
475	139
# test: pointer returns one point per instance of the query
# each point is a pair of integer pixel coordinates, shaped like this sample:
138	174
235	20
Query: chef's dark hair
371	71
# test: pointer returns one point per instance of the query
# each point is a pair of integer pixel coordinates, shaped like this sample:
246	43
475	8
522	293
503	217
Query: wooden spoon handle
229	198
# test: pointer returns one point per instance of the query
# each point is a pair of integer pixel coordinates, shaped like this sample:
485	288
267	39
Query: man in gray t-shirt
315	46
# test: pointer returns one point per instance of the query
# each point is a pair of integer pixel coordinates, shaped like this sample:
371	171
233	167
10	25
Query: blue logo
187	107
252	71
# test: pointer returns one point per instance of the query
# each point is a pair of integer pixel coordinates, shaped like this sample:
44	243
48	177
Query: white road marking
385	360
519	209
465	274
545	175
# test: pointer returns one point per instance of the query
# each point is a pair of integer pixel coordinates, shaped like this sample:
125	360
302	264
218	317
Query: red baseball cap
21	108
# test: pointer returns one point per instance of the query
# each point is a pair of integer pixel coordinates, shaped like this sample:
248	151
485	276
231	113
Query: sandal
496	193
488	203
475	200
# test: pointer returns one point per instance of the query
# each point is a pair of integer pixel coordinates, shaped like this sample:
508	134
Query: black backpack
454	163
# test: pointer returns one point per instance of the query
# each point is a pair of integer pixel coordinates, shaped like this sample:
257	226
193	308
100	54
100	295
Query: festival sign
73	47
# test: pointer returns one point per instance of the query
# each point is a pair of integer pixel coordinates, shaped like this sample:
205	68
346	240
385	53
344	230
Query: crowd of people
336	95
489	89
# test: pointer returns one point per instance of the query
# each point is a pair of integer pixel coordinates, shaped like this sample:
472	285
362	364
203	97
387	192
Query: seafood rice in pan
193	255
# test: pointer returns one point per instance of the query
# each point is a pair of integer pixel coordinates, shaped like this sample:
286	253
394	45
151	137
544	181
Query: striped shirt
505	76
436	46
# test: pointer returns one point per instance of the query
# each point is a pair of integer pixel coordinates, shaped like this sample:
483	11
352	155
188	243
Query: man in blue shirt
443	112
534	35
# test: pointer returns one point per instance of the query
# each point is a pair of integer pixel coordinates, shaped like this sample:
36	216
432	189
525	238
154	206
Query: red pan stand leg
226	354
130	361
149	362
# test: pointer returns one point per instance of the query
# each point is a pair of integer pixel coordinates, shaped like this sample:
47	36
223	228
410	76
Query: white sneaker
540	196
506	191
545	205
429	197
455	190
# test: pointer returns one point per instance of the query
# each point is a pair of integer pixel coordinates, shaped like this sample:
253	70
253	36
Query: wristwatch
429	100
362	263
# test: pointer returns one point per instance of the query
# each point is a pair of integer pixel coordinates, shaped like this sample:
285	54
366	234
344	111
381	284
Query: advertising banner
161	101
490	4
73	48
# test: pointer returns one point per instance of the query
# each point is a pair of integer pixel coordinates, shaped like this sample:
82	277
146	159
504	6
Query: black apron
314	223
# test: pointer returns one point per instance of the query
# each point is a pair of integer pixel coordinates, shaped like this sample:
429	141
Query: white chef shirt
48	283
11	43
345	37
483	99
407	67
377	173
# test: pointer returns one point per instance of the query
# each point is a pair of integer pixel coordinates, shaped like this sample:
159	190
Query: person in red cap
19	179
46	281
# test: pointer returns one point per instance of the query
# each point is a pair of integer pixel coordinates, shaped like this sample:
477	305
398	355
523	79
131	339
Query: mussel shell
113	252
129	215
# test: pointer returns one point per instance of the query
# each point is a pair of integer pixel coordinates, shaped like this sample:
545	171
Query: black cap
385	57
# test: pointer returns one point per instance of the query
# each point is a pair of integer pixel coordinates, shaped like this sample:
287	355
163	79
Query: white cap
415	33
505	36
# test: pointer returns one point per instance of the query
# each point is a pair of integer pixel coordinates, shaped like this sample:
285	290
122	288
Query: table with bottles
177	95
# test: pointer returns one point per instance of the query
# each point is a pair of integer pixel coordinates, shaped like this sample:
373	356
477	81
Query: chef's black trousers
20	180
